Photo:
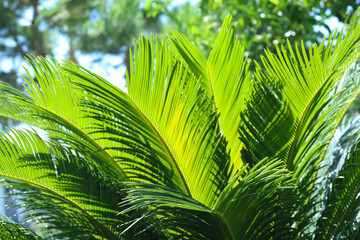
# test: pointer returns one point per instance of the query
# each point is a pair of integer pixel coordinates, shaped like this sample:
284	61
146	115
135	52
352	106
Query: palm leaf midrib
161	138
139	110
226	226
295	136
86	135
211	86
335	228
96	222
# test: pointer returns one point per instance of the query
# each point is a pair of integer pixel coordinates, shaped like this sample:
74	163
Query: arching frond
165	107
341	204
255	197
62	116
255	208
309	90
298	102
311	84
226	78
57	187
165	160
11	230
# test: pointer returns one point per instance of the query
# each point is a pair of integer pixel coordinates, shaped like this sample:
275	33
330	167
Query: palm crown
196	148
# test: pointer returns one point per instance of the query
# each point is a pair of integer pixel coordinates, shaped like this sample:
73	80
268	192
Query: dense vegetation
101	31
196	148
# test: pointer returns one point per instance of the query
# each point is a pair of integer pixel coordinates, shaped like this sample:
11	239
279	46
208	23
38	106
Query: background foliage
103	30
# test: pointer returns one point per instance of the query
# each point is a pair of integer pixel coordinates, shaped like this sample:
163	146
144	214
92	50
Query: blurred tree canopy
98	26
19	35
261	23
109	26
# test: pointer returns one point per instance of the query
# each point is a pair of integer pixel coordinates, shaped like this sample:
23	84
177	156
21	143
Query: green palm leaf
254	197
307	92
314	79
341	207
12	230
165	160
56	182
168	109
62	116
225	77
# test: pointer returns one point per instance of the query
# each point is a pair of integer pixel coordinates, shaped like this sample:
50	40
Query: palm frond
298	102
11	230
56	186
226	77
311	84
62	115
256	196
310	90
165	160
166	108
340	209
266	124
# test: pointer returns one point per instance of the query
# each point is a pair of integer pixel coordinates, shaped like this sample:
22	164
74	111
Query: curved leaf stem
211	85
226	226
93	220
165	144
305	110
83	133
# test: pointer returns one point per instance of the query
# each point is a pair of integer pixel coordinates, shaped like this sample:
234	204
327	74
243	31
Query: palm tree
196	148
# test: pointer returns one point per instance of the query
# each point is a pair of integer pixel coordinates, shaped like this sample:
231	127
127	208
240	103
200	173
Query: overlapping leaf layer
195	148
